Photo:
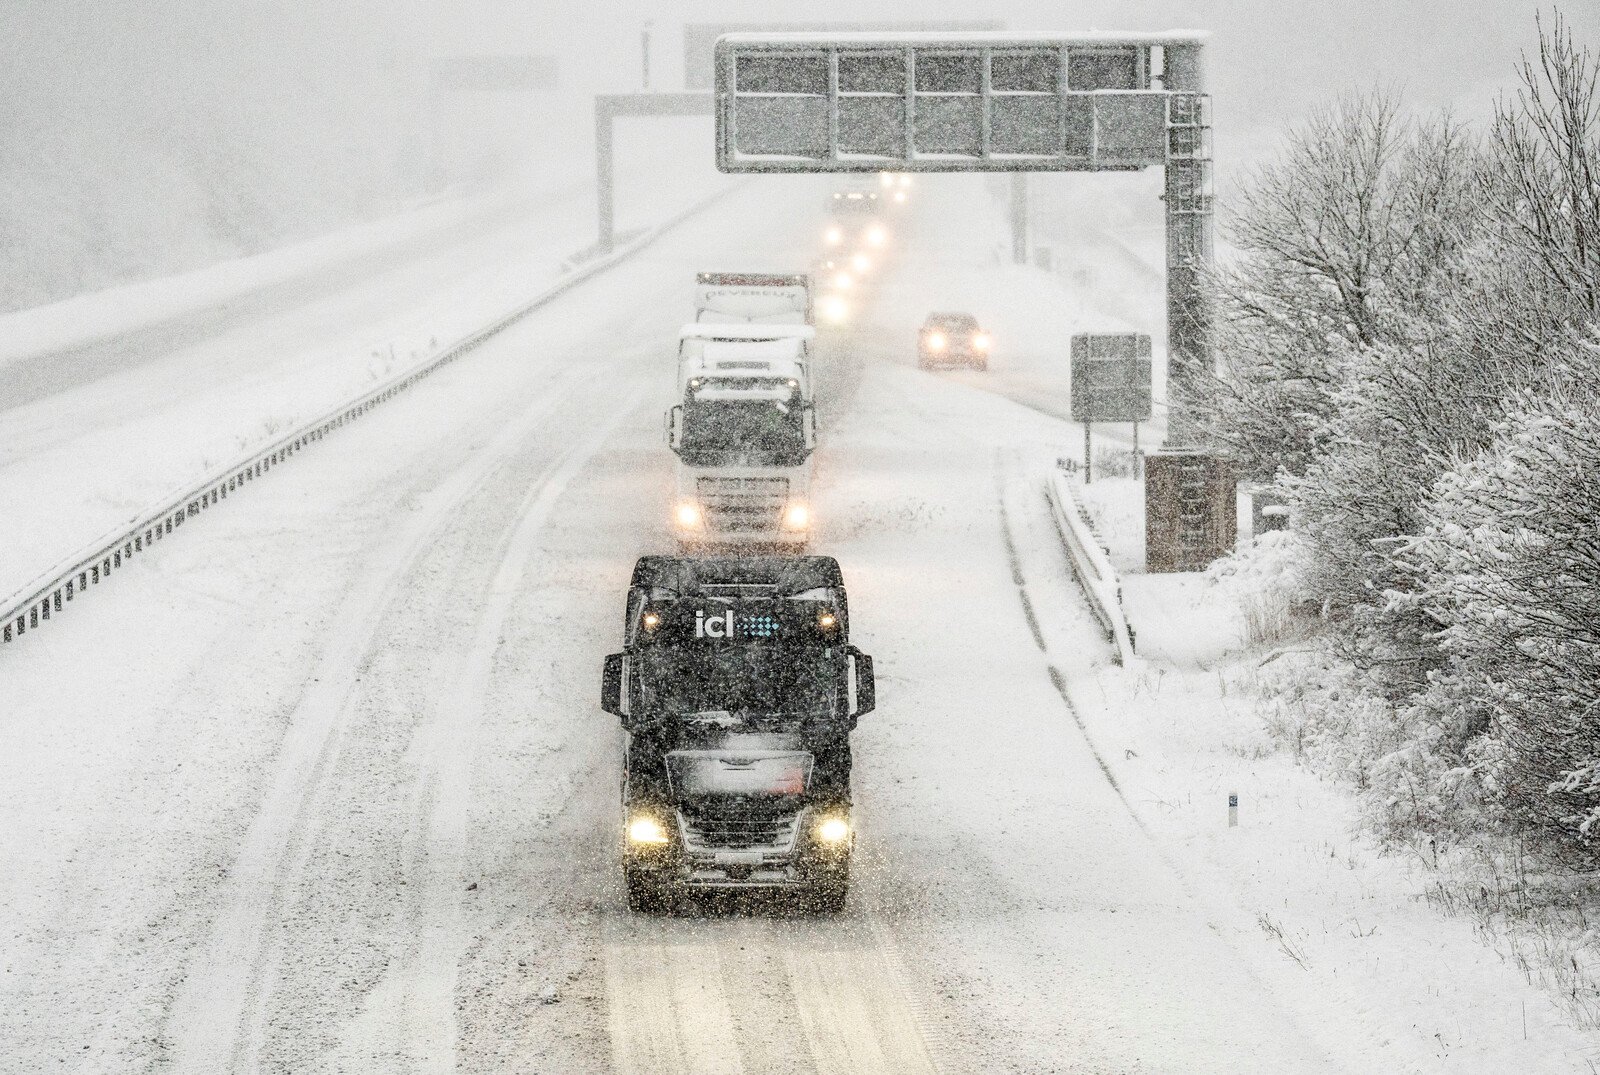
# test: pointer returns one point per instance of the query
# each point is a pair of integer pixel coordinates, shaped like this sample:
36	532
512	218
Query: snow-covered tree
1356	228
1510	558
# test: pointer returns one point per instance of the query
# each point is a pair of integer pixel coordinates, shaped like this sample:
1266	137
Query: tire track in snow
217	1021
429	1029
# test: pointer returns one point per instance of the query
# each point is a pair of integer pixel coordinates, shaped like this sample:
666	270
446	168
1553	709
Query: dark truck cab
735	689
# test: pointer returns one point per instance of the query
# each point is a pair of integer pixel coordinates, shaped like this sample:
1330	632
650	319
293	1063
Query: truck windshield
738	432
786	681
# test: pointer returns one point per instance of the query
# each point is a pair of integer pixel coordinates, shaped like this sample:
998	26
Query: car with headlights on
952	339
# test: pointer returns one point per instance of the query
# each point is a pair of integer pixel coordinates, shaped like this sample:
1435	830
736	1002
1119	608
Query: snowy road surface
324	786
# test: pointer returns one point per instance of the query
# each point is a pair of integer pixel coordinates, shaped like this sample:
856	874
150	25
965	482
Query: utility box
1190	506
1111	377
1269	510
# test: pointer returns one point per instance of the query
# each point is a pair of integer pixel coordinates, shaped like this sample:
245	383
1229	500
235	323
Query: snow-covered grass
1237	696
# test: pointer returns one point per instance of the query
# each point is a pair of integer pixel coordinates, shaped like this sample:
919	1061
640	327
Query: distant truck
764	298
738	688
744	461
746	425
856	219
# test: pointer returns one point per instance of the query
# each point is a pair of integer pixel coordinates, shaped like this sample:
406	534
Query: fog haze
141	140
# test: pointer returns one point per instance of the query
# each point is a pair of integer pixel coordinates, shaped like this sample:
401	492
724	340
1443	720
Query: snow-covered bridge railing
48	595
1090	564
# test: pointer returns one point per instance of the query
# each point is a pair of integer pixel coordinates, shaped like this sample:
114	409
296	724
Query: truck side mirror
675	428
611	680
866	685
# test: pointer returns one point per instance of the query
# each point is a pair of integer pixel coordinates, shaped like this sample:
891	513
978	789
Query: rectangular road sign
1111	378
941	102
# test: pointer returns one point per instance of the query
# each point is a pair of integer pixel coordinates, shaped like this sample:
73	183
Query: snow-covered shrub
1265	579
1511	561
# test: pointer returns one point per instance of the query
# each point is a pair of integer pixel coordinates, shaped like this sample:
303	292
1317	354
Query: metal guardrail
48	595
1091	565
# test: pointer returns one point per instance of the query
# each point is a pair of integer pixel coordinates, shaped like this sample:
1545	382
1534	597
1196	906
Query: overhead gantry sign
989	102
924	102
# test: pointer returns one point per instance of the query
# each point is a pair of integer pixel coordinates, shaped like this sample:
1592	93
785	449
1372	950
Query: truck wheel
645	896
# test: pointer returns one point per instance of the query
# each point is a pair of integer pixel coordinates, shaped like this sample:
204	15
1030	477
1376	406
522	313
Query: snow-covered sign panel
936	102
1111	377
700	38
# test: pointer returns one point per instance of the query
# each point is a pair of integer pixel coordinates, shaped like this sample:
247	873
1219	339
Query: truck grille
743	504
707	836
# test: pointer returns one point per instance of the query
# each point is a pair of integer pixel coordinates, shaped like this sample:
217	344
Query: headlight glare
647	830
833	830
688	515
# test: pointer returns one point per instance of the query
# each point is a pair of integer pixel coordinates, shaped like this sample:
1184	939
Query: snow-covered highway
324	785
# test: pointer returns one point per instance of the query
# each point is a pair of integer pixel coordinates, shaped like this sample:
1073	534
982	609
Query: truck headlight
833	830
689	515
644	829
796	517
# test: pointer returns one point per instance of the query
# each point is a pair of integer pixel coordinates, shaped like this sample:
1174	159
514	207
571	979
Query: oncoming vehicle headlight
833	830
877	235
861	263
936	341
835	309
688	514
647	830
833	236
797	517
842	281
981	341
899	195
